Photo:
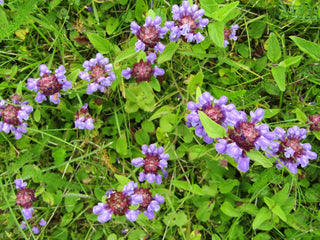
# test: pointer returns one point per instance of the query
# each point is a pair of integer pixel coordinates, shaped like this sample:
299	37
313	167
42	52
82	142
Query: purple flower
35	230
49	85
98	73
148	35
154	161
23	225
188	20
42	222
230	34
14	115
289	150
216	109
244	137
149	203
1	2
314	120
118	203
84	119
20	184
27	212
142	71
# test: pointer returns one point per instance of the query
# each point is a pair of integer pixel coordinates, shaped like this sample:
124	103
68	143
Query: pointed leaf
308	47
274	50
260	158
279	76
212	128
215	30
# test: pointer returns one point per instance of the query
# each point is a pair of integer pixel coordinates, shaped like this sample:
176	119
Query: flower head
188	20
314	122
154	161
244	136
143	71
25	197
230	34
149	34
98	73
14	115
118	203
289	149
49	85
216	109
84	119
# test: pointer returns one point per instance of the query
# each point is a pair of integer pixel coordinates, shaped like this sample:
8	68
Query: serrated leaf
112	24
274	50
168	52
225	11
216	30
263	215
212	128
228	209
279	76
260	158
308	47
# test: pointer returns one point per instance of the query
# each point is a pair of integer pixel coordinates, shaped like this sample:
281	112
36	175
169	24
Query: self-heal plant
118	203
216	109
13	116
314	121
143	71
83	119
188	20
153	161
244	137
98	73
35	228
49	85
25	198
230	34
289	149
149	34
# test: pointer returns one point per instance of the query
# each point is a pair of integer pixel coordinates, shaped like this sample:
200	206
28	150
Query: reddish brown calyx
97	72
118	203
214	113
146	197
149	36
189	21
25	197
245	135
10	114
49	84
151	164
142	71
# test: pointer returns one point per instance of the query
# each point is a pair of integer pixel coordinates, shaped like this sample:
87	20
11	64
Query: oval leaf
212	128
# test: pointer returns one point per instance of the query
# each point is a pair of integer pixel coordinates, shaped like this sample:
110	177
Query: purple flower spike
154	161
49	85
230	34
35	230
143	71
244	136
14	115
188	20
149	35
314	121
289	149
98	73
216	109
84	119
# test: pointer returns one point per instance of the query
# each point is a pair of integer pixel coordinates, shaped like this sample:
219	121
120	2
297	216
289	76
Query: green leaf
225	11
151	13
229	210
112	24
141	9
197	151
136	234
308	47
209	7
48	198
274	50
194	188
66	219
269	201
216	30
148	126
279	76
195	82
279	212
256	29
198	94
122	179
268	113
228	185
168	121
102	45
154	83
37	115
260	158
59	156
301	116
168	52
70	202
291	61
263	215
204	211
212	128
142	137
128	53
161	111
316	134
121	145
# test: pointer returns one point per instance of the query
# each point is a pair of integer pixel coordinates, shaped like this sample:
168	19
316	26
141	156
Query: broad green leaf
256	29
121	145
195	82
279	212
128	53
260	158
142	137
122	179
301	116
70	202
227	185
274	50
112	24
66	219
198	94
268	113
59	156
141	9
316	134
228	209
197	151
263	215
37	115
212	128
176	218
215	30
279	76
269	201
168	121
308	47
148	126
290	61
225	11
48	198
151	13
137	234
102	45
281	196
204	211
162	111
209	7
168	52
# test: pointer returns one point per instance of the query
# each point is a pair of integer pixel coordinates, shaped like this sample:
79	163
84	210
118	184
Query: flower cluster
25	198
119	203
289	150
35	228
14	114
49	85
230	34
188	20
148	35
314	120
98	73
153	161
216	109
84	119
143	71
